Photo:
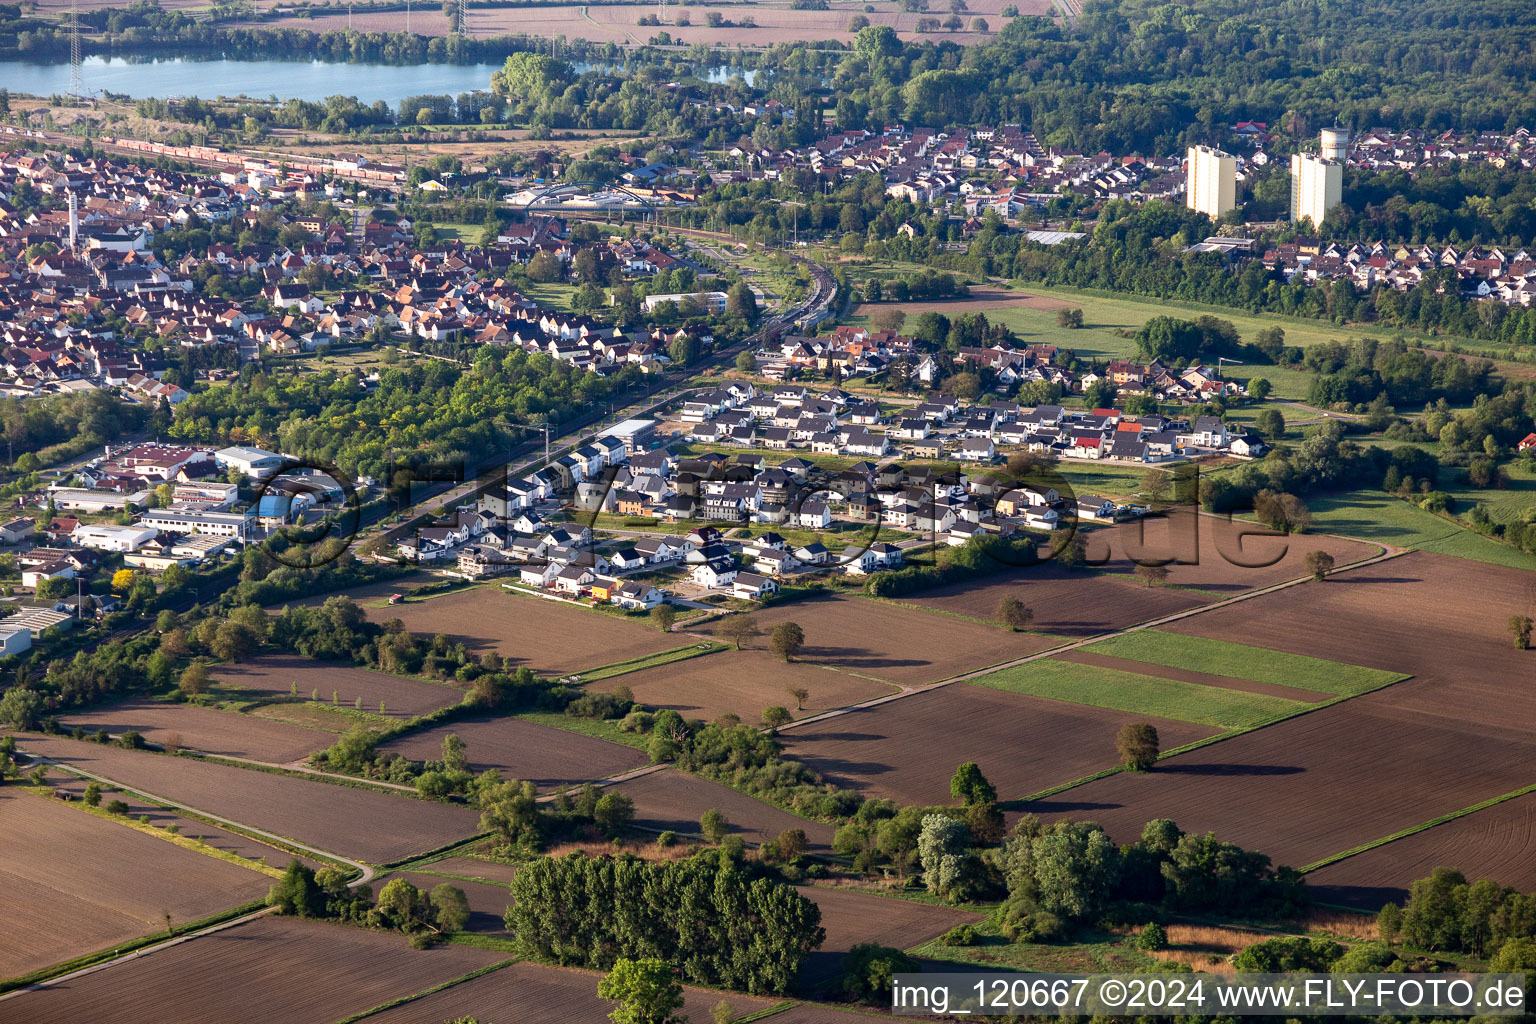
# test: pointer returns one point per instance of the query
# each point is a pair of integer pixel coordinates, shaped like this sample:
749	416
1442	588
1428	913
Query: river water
168	78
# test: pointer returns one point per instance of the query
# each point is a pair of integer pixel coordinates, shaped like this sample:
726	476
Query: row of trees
708	915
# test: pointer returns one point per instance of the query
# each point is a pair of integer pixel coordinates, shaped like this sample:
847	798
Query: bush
867	969
117	807
1152	938
1023	921
960	935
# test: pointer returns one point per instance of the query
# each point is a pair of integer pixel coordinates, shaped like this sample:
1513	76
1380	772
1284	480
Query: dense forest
431	410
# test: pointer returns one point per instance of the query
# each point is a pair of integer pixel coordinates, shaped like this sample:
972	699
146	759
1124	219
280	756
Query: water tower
1334	143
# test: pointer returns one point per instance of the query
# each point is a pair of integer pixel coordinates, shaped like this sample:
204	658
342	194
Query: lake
308	80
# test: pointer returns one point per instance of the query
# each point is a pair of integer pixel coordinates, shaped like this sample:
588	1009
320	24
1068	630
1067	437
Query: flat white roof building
710	302
112	538
233	525
254	462
75	499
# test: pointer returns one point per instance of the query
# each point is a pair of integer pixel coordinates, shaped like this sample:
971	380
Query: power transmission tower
76	68
407	17
463	17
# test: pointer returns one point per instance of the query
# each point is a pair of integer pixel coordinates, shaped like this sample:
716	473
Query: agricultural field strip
1242	661
1136	693
1417	829
701	647
365	871
1076	644
135	954
298	769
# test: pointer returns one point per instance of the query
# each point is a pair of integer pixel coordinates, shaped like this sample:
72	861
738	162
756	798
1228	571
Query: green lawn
467	233
1373	515
1141	694
1240	661
1505	505
1108	480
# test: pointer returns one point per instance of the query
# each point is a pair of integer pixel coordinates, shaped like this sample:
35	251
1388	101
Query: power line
76	65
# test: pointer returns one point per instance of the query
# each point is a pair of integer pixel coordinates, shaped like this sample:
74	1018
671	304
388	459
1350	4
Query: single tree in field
712	825
510	808
194	679
663	616
1520	629
723	1012
792	843
450	908
800	693
647	991
1151	574
775	717
1154	484
613	812
400	901
786	641
1013	613
1137	744
1072	319
1319	564
739	629
969	786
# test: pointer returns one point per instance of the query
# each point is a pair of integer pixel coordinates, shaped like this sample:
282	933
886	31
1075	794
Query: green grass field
1141	694
1108	480
1505	505
1240	661
620	668
1373	515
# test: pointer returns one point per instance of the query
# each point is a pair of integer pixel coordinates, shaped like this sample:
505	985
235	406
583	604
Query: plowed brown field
904	645
1314	785
204	729
1066	603
854	917
361	823
531	994
1496	842
1442	619
273	970
1458	733
744	682
1232	556
907	749
72	883
273	675
524	750
549	638
675	800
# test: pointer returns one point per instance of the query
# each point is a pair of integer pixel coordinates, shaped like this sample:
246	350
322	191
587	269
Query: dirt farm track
358	823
